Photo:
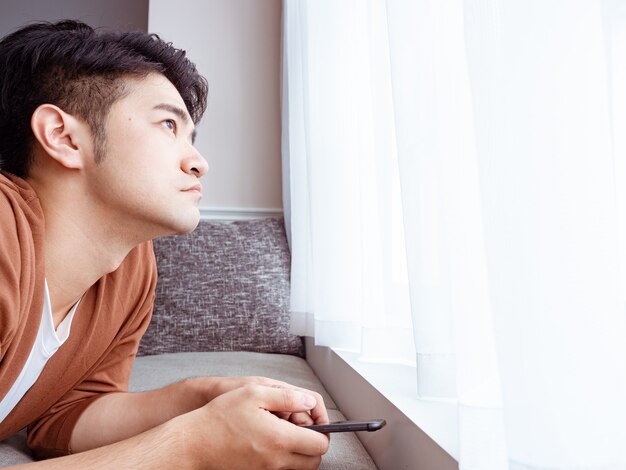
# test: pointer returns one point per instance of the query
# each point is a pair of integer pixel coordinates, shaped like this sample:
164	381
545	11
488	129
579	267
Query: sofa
222	309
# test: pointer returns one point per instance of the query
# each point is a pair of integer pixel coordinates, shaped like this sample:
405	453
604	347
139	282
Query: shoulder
122	300
21	227
140	260
14	188
19	205
21	224
21	258
134	281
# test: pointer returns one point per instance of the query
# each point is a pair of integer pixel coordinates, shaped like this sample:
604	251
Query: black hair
81	70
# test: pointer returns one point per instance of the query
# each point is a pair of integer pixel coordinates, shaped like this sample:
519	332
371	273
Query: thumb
282	399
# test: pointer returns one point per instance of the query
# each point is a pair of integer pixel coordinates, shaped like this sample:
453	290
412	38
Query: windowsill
437	418
419	430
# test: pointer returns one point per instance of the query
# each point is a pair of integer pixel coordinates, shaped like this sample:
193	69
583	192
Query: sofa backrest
224	287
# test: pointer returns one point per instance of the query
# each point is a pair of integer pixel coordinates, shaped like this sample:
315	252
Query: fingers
282	414
306	442
300	419
319	414
283	399
240	429
299	440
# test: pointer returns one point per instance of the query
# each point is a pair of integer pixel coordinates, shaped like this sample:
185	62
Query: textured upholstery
225	287
150	372
13	450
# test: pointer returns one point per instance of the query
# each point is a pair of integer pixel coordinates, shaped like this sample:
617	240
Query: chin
183	227
181	223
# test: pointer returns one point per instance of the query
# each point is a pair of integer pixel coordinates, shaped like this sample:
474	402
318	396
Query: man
97	159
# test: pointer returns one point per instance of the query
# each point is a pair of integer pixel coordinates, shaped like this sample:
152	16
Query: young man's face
150	173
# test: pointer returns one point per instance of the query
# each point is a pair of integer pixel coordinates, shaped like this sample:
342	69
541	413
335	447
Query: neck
81	243
75	258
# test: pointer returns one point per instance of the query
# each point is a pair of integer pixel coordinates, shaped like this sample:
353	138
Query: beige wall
236	46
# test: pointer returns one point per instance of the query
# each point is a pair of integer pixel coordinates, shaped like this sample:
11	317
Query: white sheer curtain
349	289
492	135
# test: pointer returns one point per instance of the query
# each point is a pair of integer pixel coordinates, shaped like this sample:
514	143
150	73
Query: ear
61	135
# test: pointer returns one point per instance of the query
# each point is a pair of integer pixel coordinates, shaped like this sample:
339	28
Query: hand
239	429
212	387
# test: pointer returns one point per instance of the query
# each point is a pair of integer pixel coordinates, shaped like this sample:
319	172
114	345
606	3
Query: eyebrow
180	114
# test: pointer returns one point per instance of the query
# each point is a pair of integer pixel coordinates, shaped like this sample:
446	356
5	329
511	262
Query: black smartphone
349	426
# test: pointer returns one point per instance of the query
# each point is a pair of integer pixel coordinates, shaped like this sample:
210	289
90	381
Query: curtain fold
458	195
348	291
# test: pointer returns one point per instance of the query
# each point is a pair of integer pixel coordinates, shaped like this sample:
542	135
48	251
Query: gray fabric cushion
346	451
150	372
225	287
13	450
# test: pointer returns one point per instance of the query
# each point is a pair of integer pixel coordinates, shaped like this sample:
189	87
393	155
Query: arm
118	416
160	447
235	430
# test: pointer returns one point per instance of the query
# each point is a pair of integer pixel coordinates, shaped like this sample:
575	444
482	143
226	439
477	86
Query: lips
195	187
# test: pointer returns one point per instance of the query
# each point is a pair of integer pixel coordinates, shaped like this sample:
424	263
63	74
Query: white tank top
47	343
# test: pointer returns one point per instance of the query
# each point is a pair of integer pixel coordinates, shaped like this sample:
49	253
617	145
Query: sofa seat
149	372
346	451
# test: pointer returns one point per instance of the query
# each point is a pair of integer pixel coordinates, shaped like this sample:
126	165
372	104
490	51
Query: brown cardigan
108	324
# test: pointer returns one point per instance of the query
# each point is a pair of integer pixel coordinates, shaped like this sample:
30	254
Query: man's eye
170	124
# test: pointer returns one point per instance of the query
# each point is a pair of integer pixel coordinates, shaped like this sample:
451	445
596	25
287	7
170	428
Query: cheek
143	156
127	136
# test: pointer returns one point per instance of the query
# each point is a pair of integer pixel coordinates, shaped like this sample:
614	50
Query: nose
194	163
